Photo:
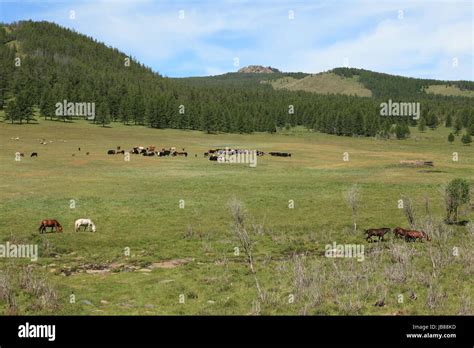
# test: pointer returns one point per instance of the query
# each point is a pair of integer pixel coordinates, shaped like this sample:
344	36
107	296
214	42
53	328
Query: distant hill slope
385	85
449	90
345	81
324	83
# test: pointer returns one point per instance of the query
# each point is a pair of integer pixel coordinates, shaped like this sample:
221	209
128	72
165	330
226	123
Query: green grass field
189	253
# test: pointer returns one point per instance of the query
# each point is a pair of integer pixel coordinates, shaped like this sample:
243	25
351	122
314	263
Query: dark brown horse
412	236
379	232
54	224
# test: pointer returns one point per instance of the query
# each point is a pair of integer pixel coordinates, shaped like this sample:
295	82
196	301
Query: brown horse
379	232
412	236
54	224
400	232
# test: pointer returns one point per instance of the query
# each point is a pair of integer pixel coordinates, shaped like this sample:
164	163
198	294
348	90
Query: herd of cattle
409	235
149	151
212	154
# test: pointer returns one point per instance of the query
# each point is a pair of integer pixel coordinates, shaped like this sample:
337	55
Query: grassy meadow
183	260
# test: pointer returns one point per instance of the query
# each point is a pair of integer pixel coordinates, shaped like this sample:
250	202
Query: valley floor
165	245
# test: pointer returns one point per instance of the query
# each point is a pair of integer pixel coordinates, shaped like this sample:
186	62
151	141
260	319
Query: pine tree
422	124
449	120
12	111
457	126
103	113
466	139
451	137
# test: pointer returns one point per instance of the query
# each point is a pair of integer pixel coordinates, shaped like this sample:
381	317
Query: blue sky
429	39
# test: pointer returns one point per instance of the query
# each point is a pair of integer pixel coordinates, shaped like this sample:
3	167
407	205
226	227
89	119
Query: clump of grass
7	294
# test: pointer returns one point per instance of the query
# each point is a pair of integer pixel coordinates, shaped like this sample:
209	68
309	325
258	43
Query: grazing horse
400	232
379	232
34	154
87	223
54	224
412	236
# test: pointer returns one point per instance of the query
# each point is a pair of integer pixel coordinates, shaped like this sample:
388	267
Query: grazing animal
79	149
412	236
185	154
400	232
54	224
87	153
379	232
195	155
148	153
86	223
111	152
213	158
280	154
164	152
120	152
34	154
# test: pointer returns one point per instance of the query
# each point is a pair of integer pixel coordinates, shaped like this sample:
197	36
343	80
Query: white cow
87	223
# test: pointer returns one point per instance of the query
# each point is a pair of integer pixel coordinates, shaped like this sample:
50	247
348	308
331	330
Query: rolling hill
59	64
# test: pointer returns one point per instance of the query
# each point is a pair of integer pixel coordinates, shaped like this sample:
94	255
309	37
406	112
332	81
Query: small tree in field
241	233
451	137
456	194
466	139
422	125
353	200
409	211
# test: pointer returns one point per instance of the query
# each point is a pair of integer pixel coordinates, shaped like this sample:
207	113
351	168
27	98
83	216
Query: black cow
213	158
111	152
120	152
34	154
280	154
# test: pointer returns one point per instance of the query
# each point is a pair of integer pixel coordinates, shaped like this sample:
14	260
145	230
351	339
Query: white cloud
368	32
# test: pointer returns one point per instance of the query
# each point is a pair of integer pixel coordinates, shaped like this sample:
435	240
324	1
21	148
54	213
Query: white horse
87	223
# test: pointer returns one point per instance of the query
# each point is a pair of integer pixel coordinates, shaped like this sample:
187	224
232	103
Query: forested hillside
58	64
